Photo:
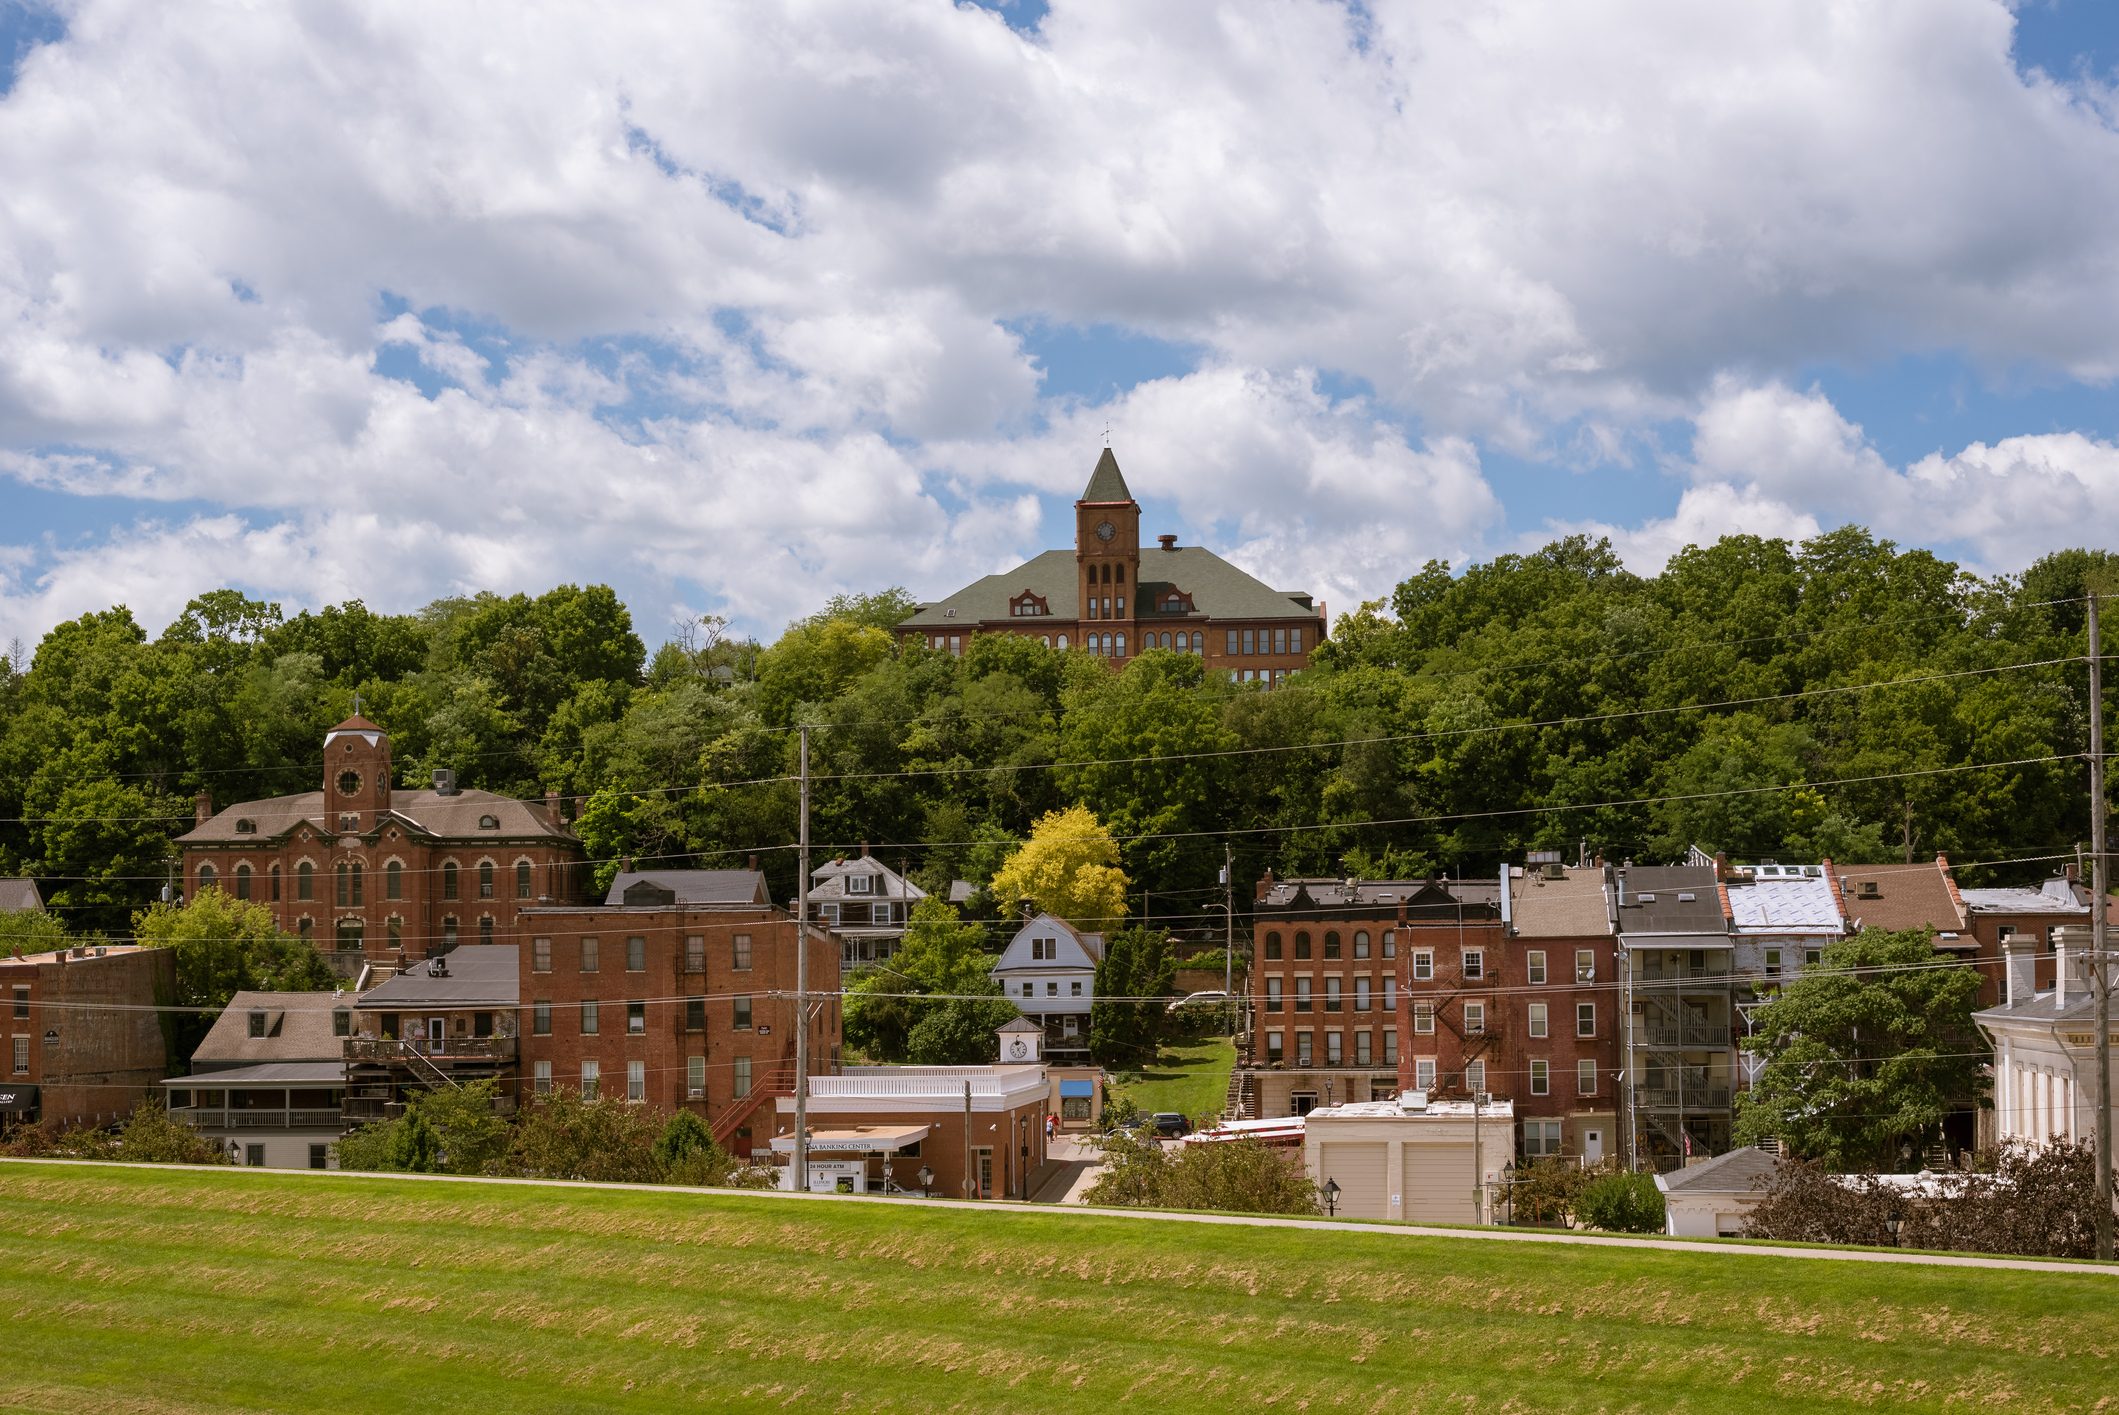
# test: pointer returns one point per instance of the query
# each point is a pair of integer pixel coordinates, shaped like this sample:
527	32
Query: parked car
1169	1125
1212	998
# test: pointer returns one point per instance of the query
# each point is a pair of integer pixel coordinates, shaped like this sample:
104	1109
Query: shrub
1237	1176
148	1136
1621	1203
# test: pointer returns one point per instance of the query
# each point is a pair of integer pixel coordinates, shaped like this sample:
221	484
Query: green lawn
1193	1080
157	1291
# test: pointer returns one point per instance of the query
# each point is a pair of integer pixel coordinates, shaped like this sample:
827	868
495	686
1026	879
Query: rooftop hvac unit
1553	869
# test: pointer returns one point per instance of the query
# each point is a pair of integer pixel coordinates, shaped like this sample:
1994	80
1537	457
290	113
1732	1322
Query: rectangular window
1075	987
1232	641
541	1078
1390	1046
1540	1076
741	1084
1585	1019
695	1078
1331	995
257	1024
341	1022
540	955
591	1019
1250	641
1273	1000
1585	965
22	1056
636	1019
1363	1054
591	955
636	955
739	953
1424	1073
1051	987
742	1014
1475	1077
1273	1045
1280	641
1474	1018
1773	963
1333	1049
1585	1077
636	1080
541	1018
591	1079
1303	1054
1474	964
695	954
1423	1018
1295	641
695	1014
1390	994
1534	965
254	1156
320	1156
1423	965
1361	994
1302	994
1537	1019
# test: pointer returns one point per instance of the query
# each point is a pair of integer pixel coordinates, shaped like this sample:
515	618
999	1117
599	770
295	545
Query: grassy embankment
137	1290
1191	1079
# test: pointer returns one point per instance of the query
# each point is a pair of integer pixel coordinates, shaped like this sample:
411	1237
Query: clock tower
1107	555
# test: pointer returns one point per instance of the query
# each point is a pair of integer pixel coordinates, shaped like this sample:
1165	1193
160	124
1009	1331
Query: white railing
929	1087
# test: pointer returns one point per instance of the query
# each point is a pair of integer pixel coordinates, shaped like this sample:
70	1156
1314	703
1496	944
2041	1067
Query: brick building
84	1043
1561	1008
446	1020
372	872
1110	598
978	1131
677	991
2004	920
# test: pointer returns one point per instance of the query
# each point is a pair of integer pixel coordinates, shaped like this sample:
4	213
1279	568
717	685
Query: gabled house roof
476	975
298	1028
828	881
1217	590
18	895
455	816
1893	897
1745	1171
1075	949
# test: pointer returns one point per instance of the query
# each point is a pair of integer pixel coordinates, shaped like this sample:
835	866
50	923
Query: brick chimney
202	807
1265	883
552	810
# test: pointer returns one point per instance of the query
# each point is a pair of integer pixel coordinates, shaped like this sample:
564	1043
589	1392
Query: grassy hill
158	1291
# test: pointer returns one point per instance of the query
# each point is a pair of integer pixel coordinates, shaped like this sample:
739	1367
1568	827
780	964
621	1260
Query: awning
856	1140
268	1073
17	1100
1077	1088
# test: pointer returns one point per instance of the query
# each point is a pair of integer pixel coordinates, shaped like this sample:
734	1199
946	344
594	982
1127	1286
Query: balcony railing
1654	970
220	1118
395	1050
1687	1034
1689	1098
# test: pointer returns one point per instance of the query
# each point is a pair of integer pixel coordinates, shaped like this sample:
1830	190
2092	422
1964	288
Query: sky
737	306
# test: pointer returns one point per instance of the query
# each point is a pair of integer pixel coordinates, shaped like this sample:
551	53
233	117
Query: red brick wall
96	1046
1005	1132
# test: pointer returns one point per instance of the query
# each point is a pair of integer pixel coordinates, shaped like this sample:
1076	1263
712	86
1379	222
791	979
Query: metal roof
270	1073
2055	896
692	887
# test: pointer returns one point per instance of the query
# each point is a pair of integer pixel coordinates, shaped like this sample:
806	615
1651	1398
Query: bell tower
1107	553
356	775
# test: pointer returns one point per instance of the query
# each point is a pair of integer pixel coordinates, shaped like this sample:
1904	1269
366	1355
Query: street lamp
1331	1198
926	1178
1891	1226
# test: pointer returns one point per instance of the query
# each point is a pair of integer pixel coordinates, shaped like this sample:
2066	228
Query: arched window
1121	646
1063	641
1361	943
306	928
1302	945
1122	574
397	934
359	878
485	879
522	879
272	876
485	928
305	880
242	881
1046	640
1273	947
394	880
207	876
448	879
345	889
1184	642
1331	944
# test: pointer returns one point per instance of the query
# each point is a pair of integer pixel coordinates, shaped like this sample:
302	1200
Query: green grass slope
157	1291
1192	1080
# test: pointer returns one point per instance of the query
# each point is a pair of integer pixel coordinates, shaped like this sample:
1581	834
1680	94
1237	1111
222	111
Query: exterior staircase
778	1082
1242	1101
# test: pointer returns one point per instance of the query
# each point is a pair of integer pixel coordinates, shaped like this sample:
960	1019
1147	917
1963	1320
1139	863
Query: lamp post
926	1178
1331	1198
1891	1226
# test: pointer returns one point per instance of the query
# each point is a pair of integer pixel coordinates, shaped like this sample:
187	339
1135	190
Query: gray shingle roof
477	975
1745	1171
297	1028
1218	589
690	887
828	881
1654	906
20	896
1106	483
452	817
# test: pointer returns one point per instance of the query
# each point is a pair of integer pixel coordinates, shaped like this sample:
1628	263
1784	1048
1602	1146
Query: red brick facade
371	871
81	1028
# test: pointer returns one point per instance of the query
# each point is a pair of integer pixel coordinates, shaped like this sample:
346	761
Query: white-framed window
1423	1018
1540	1076
1076	987
859	884
1585	1077
22	1056
741	1084
1423	964
695	1078
1424	1073
1475	1076
541	1078
591	1079
1334	1045
636	1080
1537	1019
1585	1019
1361	994
1541	1139
1773	962
1534	966
1585	965
1474	963
1474	1018
1052	987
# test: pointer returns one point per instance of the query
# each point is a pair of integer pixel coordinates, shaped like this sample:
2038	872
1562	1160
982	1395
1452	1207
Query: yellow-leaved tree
1068	867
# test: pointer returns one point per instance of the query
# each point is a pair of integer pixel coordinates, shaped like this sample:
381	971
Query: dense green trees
1540	700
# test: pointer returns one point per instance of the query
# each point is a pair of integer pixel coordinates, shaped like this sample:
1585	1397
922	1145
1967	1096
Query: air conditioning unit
1868	889
696	1093
1553	870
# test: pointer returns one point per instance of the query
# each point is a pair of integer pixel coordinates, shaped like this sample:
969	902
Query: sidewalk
1077	1165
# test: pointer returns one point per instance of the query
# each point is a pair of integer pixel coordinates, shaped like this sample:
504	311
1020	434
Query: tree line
1549	700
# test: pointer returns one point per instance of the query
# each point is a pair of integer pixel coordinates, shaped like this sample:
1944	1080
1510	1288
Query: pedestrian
1051	1128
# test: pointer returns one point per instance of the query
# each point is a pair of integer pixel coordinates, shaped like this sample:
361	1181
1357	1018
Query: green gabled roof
1219	591
1106	483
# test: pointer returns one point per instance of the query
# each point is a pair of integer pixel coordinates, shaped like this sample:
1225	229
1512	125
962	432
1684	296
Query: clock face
1018	1048
1106	530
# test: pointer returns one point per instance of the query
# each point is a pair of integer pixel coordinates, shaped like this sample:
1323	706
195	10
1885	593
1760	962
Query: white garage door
1438	1184
1360	1171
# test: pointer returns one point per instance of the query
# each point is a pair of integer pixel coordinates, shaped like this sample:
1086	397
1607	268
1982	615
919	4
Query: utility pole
801	1156
1478	1187
2101	979
1228	901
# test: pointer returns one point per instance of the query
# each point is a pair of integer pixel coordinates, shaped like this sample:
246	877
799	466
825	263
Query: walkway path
1001	1209
1078	1165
